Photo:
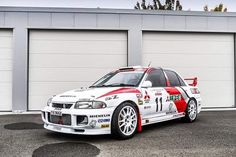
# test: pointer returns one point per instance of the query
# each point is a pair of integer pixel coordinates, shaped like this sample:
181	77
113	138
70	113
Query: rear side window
181	81
157	78
173	78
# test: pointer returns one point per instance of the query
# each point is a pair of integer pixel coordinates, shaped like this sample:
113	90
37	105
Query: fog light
82	120
93	123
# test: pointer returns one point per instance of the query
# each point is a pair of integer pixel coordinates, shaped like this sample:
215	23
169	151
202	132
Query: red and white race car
123	101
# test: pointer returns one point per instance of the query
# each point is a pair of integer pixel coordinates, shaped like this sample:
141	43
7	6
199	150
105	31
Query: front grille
61	105
65	119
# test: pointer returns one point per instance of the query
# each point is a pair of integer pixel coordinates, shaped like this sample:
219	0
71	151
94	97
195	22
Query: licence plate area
56	113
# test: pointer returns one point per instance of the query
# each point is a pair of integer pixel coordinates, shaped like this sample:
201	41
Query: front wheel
191	111
125	121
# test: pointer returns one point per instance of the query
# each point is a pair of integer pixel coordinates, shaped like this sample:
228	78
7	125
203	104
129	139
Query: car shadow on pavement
102	138
73	137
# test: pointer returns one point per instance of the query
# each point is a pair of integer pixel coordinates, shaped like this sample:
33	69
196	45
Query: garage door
65	60
210	57
6	70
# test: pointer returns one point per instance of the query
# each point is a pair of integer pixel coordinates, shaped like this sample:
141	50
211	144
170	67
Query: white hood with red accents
86	93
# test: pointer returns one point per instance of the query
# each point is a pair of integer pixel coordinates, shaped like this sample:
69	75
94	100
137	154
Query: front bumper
98	121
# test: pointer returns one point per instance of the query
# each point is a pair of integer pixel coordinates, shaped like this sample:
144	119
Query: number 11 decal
157	103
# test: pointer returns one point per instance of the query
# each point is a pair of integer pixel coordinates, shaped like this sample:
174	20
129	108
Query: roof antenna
149	64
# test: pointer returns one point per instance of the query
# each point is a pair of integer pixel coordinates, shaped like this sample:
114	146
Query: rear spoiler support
194	83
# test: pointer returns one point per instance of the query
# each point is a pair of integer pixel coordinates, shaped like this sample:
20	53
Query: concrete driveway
213	134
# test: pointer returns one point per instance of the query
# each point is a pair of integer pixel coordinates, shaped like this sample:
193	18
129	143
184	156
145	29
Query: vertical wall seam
73	19
4	18
234	69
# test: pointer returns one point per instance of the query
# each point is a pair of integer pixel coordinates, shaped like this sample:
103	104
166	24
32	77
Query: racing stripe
180	104
120	91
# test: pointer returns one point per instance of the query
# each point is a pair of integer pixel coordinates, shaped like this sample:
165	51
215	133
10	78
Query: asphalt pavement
213	134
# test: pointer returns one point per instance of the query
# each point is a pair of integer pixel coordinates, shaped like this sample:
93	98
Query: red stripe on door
181	105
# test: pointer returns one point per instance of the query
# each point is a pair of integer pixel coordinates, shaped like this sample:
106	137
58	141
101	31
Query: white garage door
6	70
65	60
210	57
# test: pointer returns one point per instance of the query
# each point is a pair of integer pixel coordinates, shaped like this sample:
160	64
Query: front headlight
90	105
49	101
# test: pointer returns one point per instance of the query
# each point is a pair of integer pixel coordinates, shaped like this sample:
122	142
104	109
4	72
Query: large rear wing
193	83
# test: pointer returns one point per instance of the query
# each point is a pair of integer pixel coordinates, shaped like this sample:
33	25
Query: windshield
125	78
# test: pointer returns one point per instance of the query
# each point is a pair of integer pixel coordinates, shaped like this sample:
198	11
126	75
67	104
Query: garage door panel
66	74
206	44
191	60
81	35
6	41
207	73
5	53
5	88
71	60
5	64
92	47
6	70
38	101
64	60
210	57
214	91
6	76
47	88
176	47
207	37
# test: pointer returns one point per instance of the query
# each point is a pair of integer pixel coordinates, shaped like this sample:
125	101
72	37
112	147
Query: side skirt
157	119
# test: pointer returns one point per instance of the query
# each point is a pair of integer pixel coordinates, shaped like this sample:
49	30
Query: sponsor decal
175	97
158	94
108	98
103	120
100	116
105	126
139	96
93	123
170	109
140	102
146	97
147	107
111	97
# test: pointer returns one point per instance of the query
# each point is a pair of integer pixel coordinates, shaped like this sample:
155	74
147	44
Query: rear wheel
191	111
125	121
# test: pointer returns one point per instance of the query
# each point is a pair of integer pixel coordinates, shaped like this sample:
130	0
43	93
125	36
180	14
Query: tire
124	121
191	111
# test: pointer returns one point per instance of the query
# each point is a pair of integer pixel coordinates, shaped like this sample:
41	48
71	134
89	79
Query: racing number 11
157	103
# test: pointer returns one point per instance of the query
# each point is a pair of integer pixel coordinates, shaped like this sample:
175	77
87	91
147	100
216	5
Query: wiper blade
100	86
120	84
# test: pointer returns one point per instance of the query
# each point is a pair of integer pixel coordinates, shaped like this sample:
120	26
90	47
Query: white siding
64	60
210	57
6	70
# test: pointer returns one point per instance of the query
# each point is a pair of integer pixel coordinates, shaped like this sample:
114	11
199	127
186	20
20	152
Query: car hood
85	94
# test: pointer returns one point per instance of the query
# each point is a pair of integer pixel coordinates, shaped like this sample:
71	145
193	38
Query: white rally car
123	101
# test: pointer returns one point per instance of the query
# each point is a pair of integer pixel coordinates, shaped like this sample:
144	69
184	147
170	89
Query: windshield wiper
100	86
119	84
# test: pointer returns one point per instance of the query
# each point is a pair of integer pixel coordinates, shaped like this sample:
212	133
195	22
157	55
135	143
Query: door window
157	78
173	78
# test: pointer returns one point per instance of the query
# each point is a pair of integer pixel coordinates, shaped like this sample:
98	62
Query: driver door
155	97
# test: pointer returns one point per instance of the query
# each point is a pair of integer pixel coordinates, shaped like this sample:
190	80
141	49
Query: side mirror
146	84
